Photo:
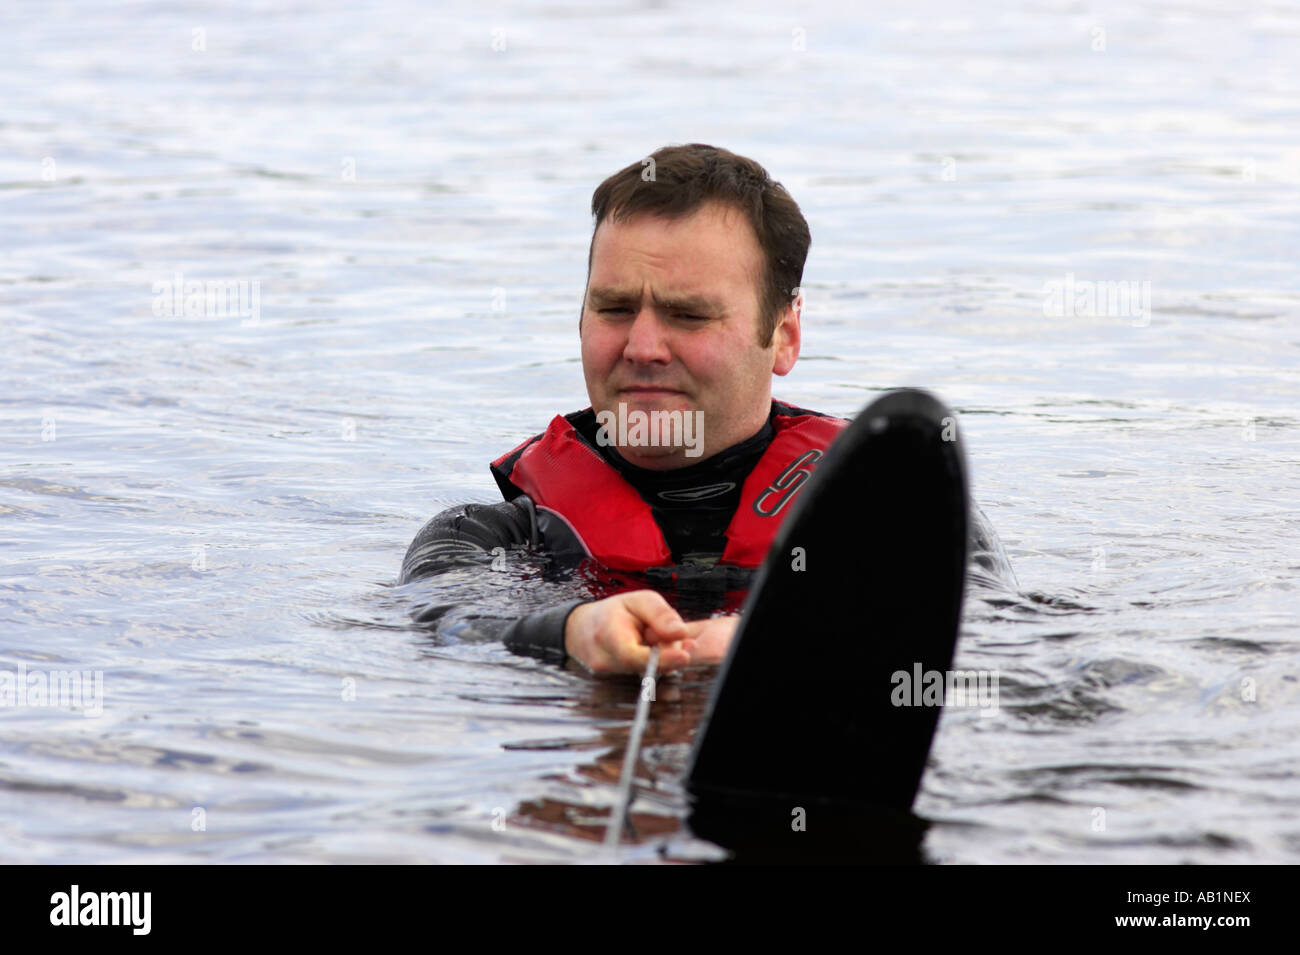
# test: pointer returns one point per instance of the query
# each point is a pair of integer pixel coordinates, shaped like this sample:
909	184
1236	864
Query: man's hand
707	641
614	635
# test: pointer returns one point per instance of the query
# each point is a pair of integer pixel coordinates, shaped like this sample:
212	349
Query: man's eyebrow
675	303
611	296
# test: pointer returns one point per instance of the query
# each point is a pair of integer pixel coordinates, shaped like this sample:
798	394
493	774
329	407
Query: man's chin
640	401
657	434
655	459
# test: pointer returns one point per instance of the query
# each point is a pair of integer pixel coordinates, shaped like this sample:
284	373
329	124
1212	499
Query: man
692	304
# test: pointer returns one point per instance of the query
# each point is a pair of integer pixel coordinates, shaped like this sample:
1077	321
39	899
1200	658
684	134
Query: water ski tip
807	721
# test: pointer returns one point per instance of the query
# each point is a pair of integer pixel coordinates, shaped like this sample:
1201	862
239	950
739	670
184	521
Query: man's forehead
730	252
685	298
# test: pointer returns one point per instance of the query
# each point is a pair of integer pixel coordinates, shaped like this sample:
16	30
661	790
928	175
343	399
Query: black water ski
864	580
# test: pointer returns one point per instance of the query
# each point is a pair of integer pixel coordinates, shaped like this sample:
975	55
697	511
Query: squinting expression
670	322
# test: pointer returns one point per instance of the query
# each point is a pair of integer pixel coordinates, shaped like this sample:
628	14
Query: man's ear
787	337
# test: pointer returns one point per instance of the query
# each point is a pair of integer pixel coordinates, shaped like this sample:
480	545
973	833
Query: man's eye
607	311
694	318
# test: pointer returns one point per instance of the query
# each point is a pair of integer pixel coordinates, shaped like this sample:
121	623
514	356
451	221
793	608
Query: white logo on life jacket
698	493
795	476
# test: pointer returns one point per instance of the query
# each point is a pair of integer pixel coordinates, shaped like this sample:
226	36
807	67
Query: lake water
211	509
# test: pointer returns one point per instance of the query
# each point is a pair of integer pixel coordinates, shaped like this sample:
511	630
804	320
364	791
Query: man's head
691	301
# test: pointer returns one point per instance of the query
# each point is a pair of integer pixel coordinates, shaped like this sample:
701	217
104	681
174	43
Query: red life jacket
566	476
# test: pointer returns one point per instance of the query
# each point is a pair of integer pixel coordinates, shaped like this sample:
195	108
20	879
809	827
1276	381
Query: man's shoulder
574	419
505	464
467	533
783	409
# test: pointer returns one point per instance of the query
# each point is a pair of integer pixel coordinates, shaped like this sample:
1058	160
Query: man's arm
613	635
468	533
475	534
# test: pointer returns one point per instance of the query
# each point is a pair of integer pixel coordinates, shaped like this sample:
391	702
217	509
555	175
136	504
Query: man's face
670	322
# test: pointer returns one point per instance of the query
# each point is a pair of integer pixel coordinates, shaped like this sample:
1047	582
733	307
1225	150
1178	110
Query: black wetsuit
692	506
694	526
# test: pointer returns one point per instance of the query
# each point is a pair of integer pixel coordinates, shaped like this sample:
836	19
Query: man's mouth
650	391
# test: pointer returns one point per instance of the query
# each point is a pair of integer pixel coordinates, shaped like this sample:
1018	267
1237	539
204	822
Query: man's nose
647	340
